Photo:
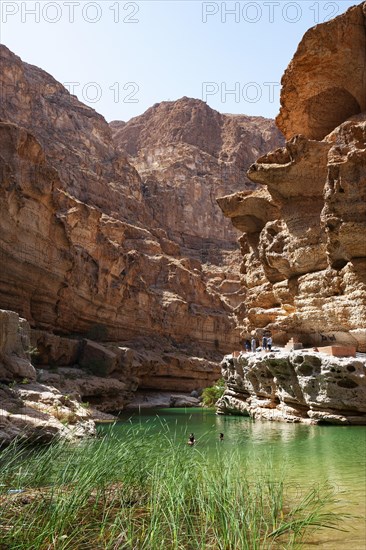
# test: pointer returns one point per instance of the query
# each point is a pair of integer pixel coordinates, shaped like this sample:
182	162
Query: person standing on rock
254	344
269	343
264	343
247	345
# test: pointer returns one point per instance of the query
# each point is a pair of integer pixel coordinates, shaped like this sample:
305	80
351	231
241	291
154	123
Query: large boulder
15	348
53	350
98	359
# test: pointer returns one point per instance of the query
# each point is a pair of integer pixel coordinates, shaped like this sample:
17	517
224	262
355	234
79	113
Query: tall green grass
147	492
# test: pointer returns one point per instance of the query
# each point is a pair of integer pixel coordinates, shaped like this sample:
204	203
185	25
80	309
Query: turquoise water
308	454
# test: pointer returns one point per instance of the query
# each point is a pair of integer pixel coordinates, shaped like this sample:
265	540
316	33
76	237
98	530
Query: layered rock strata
304	231
187	154
69	267
300	386
106	375
92	251
81	254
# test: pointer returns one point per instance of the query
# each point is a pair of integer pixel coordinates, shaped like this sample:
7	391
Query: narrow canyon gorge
121	272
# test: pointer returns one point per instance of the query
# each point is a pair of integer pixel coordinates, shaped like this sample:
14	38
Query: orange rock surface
92	249
304	231
324	84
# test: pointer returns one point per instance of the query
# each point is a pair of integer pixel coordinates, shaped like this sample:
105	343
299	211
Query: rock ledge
299	386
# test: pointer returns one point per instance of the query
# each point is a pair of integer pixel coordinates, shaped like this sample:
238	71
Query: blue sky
121	57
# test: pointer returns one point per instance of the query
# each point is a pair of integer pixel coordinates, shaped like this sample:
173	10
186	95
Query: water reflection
313	452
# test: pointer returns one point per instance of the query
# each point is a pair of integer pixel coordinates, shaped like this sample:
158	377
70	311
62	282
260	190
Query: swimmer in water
191	439
221	436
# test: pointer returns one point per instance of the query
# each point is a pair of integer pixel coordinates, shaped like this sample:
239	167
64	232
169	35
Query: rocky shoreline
36	413
54	387
296	386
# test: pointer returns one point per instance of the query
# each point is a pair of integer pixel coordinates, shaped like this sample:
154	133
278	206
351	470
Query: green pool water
310	455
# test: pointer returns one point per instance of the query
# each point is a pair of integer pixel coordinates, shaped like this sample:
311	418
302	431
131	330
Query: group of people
251	345
192	440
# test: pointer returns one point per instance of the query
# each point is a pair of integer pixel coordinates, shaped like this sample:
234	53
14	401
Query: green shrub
212	394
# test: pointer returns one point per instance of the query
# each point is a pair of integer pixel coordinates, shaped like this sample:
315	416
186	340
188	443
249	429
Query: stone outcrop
106	375
300	386
325	82
30	410
304	231
15	348
40	413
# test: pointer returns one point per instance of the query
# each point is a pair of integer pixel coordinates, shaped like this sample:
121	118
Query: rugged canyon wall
79	255
304	230
92	251
187	154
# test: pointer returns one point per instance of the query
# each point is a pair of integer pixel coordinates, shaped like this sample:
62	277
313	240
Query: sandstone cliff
187	154
76	256
88	247
324	84
304	231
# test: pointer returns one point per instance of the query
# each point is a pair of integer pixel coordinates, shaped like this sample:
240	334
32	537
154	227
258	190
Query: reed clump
147	492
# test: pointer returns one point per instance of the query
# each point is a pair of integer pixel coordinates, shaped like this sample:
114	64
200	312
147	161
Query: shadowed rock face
324	84
304	241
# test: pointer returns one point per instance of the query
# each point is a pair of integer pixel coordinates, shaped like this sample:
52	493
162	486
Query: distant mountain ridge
186	150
